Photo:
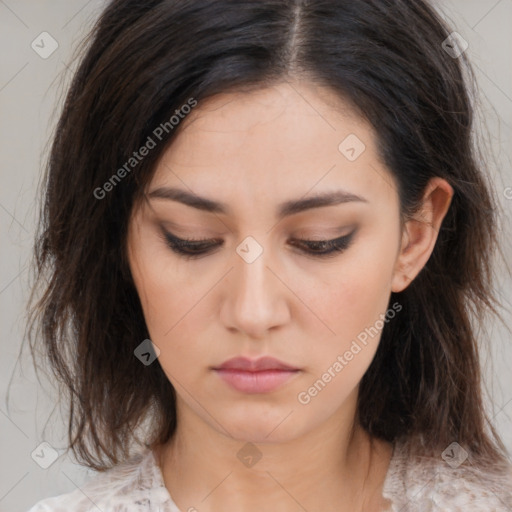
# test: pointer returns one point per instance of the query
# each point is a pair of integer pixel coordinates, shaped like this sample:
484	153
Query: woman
265	232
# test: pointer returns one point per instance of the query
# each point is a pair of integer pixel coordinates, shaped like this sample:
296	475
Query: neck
335	466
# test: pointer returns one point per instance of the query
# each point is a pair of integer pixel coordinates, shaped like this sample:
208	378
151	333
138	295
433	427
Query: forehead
279	142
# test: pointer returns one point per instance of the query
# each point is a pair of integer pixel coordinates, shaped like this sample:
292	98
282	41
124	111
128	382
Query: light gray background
29	89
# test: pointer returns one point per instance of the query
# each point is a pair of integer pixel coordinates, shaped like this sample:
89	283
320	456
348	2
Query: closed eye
194	248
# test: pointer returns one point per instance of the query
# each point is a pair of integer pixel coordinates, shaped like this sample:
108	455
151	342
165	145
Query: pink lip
255	375
254	365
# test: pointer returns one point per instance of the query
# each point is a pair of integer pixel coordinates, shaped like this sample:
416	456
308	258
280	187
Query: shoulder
126	486
425	483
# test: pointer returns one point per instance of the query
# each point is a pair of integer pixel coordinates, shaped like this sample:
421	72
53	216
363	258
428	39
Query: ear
420	233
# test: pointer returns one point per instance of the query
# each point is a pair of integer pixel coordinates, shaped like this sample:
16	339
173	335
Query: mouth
255	376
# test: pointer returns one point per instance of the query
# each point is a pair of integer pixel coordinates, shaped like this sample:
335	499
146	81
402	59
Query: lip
254	365
261	375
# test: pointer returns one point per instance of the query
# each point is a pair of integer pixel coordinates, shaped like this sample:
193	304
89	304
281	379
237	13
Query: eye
190	248
326	248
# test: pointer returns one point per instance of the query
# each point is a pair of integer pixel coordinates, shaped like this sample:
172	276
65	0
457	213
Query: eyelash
191	248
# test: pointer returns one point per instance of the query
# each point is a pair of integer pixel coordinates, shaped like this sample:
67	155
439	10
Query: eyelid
205	240
194	248
189	241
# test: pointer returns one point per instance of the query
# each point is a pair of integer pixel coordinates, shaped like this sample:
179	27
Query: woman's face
258	292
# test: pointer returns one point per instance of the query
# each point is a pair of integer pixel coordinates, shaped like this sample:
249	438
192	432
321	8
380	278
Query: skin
252	151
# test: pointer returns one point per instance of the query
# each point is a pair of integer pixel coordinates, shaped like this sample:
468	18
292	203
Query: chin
278	425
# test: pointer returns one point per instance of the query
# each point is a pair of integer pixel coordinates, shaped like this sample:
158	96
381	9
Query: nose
256	300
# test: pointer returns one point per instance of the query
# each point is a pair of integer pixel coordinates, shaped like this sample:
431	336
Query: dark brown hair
145	60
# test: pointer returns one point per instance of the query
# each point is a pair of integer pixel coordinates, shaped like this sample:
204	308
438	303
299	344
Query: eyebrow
285	209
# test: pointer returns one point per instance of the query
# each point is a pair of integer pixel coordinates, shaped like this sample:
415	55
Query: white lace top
412	484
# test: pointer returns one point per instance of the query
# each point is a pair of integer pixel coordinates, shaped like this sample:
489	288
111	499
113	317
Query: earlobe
420	233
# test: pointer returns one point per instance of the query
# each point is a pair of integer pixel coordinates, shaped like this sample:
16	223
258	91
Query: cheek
351	294
353	305
169	312
174	307
165	285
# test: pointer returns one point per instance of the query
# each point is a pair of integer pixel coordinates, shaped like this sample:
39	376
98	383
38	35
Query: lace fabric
413	484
